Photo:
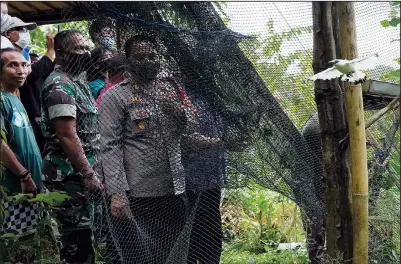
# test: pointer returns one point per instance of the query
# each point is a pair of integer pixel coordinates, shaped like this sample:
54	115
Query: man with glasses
18	33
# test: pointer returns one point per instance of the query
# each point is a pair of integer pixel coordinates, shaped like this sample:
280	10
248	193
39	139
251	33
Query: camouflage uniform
69	96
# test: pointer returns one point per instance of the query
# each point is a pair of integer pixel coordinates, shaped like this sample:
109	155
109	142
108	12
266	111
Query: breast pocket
140	120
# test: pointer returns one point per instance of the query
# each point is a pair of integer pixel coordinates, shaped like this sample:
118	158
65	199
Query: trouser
206	236
168	230
74	218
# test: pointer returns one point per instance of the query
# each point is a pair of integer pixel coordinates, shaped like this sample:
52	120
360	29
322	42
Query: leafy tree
38	36
393	21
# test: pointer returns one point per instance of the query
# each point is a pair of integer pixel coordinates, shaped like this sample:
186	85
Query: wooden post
356	126
333	128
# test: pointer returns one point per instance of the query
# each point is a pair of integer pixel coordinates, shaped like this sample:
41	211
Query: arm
41	68
111	120
66	132
60	103
45	65
9	160
50	46
198	141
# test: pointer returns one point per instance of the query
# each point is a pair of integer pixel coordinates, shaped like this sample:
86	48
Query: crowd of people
95	123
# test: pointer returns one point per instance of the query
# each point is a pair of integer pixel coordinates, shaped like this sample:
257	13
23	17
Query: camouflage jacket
68	96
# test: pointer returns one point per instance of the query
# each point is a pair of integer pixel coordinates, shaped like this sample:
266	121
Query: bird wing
330	73
366	63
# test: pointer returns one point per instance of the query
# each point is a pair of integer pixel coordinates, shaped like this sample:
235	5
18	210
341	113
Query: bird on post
348	70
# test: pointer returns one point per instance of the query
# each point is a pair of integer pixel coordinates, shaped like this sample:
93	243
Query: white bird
349	71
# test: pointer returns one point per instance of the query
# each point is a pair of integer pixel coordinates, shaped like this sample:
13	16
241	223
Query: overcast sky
252	17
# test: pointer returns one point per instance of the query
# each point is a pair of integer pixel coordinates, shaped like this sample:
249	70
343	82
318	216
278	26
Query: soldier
70	127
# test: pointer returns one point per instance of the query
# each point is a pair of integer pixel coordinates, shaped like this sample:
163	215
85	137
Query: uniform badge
141	125
136	100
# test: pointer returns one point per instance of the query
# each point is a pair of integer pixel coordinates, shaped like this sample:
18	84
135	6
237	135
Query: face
144	61
15	69
143	51
107	33
106	38
106	55
77	44
13	34
4	8
76	55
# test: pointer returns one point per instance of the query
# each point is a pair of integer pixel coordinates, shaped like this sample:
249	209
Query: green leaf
21	197
395	21
9	236
58	197
385	23
50	198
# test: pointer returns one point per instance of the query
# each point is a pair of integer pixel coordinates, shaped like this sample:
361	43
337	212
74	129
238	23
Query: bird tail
355	78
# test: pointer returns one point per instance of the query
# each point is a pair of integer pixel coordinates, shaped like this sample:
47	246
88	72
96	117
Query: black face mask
145	71
77	63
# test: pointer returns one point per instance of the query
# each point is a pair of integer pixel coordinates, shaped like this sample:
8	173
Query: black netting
194	115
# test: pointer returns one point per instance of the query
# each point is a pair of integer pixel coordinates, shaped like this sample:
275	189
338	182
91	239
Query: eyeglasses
20	29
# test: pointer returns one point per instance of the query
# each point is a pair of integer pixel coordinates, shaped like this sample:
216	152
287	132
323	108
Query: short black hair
97	53
2	51
138	38
62	37
117	64
97	25
96	66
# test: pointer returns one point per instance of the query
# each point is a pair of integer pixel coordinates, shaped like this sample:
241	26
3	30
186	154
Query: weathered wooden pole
357	136
333	128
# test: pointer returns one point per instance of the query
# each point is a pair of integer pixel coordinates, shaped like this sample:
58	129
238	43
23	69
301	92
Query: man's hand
119	205
91	182
50	45
28	185
236	147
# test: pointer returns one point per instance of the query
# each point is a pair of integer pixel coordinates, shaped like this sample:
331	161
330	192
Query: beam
50	6
28	4
357	137
15	8
54	18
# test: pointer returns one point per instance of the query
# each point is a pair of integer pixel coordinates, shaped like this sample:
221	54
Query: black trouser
167	230
206	237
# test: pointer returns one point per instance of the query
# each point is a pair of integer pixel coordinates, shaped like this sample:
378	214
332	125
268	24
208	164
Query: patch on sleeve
62	110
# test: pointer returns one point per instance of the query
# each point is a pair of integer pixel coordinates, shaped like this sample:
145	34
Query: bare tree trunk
333	125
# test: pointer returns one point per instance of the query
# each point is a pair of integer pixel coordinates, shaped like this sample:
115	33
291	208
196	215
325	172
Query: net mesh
213	96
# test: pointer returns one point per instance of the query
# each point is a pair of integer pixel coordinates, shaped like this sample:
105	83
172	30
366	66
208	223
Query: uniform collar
74	78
